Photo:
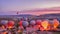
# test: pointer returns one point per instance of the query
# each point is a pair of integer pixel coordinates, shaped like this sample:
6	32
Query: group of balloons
8	24
43	25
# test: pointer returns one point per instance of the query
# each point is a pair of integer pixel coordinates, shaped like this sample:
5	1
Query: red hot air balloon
20	23
10	24
56	23
38	22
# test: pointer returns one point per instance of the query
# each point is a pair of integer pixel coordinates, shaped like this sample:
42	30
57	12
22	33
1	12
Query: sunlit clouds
19	5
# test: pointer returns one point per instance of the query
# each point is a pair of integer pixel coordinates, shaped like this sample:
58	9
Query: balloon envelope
25	23
56	23
38	22
11	23
4	21
32	22
45	24
25	18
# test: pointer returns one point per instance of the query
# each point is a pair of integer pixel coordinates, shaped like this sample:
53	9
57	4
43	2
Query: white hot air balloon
25	18
25	23
32	22
4	22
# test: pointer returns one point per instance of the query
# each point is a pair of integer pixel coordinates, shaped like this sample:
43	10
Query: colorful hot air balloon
32	22
44	24
51	25
21	25
10	24
56	23
38	24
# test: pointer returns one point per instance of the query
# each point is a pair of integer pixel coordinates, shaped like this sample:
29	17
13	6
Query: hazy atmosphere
10	7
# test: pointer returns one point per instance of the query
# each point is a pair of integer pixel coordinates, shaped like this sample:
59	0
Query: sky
7	6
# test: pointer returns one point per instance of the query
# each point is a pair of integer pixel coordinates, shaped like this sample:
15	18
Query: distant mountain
56	15
21	15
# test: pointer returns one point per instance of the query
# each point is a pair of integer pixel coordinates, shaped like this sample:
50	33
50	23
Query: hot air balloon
38	22
32	22
25	23
51	24
4	22
10	24
25	18
20	23
44	24
56	23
